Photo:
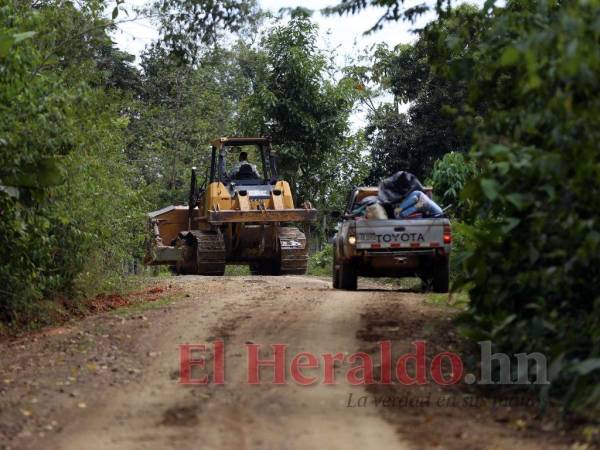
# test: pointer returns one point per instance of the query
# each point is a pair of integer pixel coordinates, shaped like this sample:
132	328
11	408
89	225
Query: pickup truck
390	248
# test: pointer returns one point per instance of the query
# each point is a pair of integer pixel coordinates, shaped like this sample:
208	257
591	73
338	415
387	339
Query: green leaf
22	36
497	150
10	191
533	82
509	224
115	12
507	321
518	200
6	42
490	188
45	173
50	173
509	57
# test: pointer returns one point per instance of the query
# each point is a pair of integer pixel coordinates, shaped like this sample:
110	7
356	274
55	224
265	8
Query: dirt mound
104	302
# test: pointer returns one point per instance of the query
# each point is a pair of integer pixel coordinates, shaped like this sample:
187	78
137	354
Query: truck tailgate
415	233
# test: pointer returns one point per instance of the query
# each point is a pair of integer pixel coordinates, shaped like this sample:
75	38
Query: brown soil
110	381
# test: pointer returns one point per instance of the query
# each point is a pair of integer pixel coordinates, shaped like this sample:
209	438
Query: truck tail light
352	235
447	234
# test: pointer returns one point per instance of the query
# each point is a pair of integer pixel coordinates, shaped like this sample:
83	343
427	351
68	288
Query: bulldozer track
204	253
210	253
293	251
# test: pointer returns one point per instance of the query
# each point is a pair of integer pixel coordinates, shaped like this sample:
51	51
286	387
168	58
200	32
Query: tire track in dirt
158	412
456	417
149	409
307	316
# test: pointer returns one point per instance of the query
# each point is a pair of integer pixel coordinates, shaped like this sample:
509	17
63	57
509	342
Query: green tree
537	268
306	111
414	140
531	109
188	26
68	212
533	264
180	110
449	177
389	136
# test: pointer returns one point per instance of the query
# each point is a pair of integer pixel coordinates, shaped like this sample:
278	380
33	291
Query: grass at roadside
237	271
320	263
456	299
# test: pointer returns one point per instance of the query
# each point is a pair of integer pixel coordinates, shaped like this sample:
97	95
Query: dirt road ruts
112	381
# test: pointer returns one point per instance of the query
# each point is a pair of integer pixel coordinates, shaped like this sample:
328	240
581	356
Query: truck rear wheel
441	277
348	279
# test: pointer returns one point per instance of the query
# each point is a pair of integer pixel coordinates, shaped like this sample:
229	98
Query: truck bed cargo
391	248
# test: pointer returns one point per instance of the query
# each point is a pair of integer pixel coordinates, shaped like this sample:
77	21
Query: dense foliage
69	215
88	143
320	262
415	139
180	109
306	111
449	176
530	108
534	262
187	25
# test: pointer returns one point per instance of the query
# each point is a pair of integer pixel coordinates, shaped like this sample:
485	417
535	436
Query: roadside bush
534	269
237	271
462	246
68	216
449	176
320	263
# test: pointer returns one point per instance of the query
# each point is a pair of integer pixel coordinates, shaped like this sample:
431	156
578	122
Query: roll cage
219	152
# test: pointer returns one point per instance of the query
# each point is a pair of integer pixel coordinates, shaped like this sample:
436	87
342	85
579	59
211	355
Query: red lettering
385	364
363	373
419	358
186	362
254	363
219	362
456	368
329	366
311	362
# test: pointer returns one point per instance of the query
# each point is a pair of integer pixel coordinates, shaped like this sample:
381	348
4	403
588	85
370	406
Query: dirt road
111	381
